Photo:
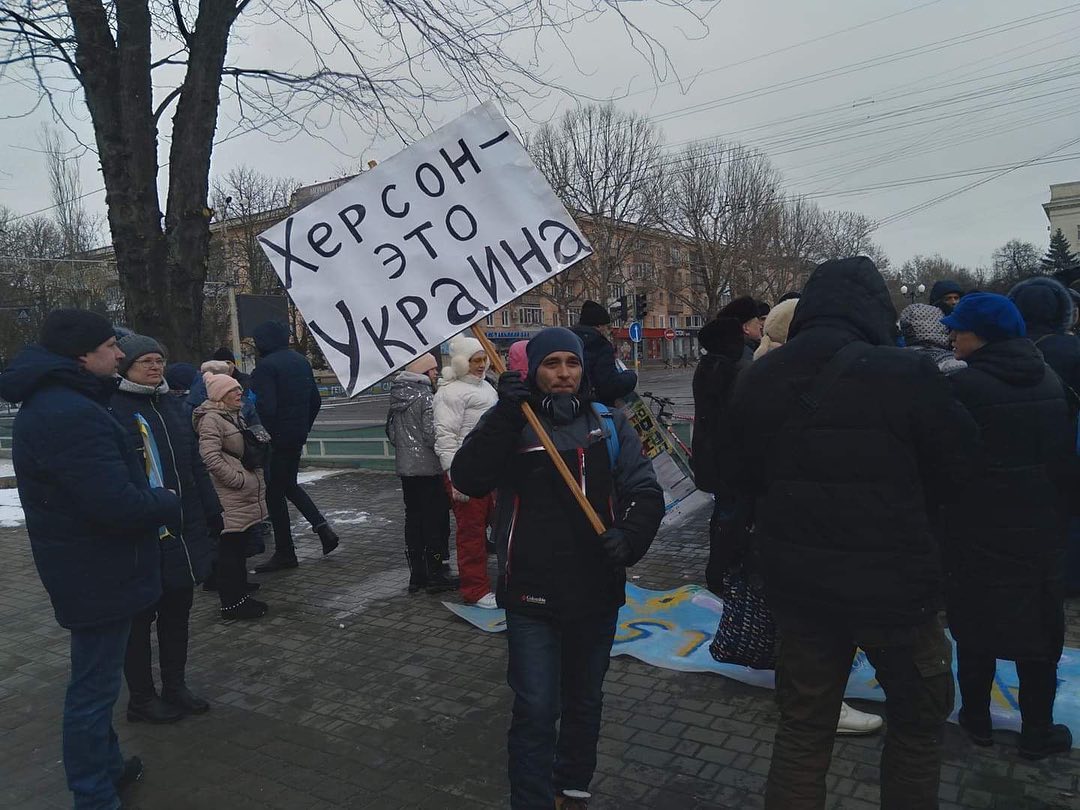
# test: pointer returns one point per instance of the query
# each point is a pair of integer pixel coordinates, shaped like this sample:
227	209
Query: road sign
669	334
635	332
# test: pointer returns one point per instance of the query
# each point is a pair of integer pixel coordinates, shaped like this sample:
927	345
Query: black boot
152	709
1039	742
132	773
441	583
182	698
977	726
246	608
328	537
276	563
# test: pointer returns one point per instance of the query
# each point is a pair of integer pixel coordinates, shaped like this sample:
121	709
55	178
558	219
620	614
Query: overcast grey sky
881	96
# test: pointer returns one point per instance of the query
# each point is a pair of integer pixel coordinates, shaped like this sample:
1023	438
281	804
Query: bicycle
660	410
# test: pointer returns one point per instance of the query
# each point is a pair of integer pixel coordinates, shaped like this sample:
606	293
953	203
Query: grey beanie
134	347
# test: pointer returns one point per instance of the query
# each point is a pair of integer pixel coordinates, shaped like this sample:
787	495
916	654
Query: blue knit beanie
552	339
991	317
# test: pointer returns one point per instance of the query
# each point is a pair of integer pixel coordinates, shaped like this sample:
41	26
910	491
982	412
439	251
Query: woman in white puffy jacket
463	397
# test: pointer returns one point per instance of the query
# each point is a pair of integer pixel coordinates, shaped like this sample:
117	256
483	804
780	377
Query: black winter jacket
1047	309
286	395
714	381
185	557
608	383
1007	534
550	559
91	515
847	495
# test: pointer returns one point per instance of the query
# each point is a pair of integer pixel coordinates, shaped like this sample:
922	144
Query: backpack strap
611	435
810	401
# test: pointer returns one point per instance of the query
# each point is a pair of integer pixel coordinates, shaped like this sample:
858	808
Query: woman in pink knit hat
240	488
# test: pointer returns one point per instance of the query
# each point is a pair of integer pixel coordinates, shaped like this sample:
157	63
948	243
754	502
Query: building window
532	316
618	290
490	320
675	254
693	321
572	316
506	317
673	321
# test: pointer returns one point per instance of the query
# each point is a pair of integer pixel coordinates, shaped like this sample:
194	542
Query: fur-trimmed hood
1045	304
777	323
462	347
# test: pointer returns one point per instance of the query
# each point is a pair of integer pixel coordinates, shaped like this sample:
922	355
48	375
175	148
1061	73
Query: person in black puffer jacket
1007	534
714	378
185	552
844	479
287	400
1049	314
609	384
560	583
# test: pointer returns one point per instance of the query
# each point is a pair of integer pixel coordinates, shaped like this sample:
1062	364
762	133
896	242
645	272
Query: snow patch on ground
6	467
344	517
11	512
309	476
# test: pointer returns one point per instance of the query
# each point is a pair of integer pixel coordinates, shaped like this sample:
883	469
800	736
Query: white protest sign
404	256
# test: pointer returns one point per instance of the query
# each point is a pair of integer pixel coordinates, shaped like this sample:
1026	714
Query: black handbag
256	445
747	632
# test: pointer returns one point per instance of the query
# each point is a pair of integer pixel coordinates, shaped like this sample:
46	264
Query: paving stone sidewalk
353	694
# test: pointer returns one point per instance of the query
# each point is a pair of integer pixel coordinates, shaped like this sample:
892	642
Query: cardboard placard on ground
404	256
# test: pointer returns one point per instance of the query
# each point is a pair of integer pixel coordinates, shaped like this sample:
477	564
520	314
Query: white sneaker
852	721
487	602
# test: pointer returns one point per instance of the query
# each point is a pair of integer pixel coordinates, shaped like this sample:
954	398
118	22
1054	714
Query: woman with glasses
160	425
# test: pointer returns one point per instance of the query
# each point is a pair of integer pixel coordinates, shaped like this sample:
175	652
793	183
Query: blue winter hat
990	316
552	339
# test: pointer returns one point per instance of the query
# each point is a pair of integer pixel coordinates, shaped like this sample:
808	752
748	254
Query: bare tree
607	167
794	249
246	202
724	198
926	270
846	233
1013	262
79	230
373	64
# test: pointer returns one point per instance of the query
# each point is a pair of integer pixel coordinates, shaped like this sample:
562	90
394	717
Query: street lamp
911	292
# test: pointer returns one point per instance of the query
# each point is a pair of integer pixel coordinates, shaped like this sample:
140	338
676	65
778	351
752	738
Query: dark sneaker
1044	741
328	537
183	699
246	608
564	802
977	726
276	563
132	773
152	709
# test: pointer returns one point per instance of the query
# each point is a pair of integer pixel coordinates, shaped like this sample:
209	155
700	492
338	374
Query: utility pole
234	320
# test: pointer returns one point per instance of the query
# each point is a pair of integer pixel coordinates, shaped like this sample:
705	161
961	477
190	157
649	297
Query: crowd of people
882	475
140	482
887	476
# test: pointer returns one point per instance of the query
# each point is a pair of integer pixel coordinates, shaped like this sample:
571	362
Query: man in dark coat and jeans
93	524
843	456
609	384
287	399
561	584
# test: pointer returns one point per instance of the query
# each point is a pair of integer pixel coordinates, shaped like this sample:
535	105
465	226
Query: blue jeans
92	757
556	670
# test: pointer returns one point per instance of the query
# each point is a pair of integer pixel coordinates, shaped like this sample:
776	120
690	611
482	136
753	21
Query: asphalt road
371	410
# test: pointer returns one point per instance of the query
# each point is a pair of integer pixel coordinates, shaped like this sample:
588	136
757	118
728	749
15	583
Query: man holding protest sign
560	583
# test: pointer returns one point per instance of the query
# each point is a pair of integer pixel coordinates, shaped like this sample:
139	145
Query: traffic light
641	306
618	311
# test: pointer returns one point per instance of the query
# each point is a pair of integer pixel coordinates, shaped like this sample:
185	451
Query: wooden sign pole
545	439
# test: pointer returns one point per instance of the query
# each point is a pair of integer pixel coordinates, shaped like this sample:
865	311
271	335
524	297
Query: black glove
617	547
512	389
215	524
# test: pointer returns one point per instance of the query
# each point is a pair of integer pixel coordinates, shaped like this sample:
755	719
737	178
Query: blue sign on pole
635	332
